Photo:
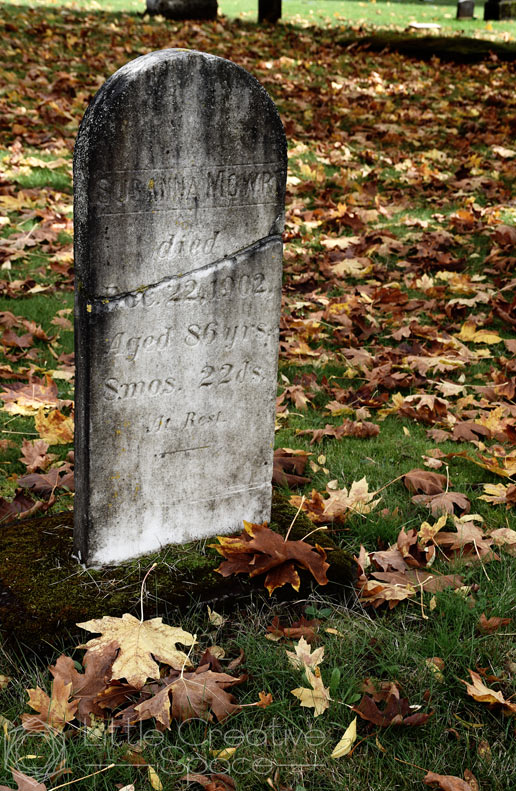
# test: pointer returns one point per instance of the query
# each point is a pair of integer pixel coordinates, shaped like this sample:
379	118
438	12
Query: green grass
386	14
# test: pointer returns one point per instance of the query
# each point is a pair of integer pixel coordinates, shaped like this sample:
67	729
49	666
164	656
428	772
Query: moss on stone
44	592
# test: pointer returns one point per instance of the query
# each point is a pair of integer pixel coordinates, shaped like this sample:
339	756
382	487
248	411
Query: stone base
499	9
183	9
44	593
465	9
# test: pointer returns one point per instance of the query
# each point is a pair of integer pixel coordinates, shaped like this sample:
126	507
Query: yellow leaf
224	754
55	428
318	697
140	644
346	743
154	779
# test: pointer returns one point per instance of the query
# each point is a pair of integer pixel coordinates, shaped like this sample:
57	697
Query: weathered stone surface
183	9
180	172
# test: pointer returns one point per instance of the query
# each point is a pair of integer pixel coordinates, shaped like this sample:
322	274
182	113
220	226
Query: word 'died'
180	244
163	190
134	346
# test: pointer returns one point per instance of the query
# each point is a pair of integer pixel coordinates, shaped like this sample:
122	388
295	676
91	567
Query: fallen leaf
302	657
424	481
140	643
318	697
343	747
55	428
24	783
260	550
54	712
491	625
447	782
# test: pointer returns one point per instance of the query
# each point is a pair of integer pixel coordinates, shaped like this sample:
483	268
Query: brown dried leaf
24	783
491	625
444	503
54	712
260	550
424	481
447	782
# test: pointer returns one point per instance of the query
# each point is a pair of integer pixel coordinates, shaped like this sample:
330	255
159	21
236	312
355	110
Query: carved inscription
123	192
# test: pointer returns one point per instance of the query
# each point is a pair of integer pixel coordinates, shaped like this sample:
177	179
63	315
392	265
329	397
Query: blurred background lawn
355	14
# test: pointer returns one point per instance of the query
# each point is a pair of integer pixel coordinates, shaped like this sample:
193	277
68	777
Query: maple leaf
469	540
27	399
428	532
498	493
302	657
86	686
506	538
302	628
479	692
24	783
20	506
198	694
138	642
54	712
396	710
491	625
46	483
318	697
55	428
443	503
34	455
424	481
448	782
358	500
213	782
259	550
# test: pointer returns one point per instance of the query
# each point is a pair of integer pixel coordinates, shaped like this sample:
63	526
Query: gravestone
179	174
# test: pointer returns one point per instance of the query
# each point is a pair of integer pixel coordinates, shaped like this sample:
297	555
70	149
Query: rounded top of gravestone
180	139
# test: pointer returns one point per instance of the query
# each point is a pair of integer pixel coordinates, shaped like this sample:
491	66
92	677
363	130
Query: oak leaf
259	550
54	712
318	697
140	643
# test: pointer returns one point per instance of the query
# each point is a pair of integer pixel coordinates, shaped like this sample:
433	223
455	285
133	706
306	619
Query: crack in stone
114	298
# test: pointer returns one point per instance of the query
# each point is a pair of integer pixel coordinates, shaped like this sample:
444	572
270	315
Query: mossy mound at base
44	592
